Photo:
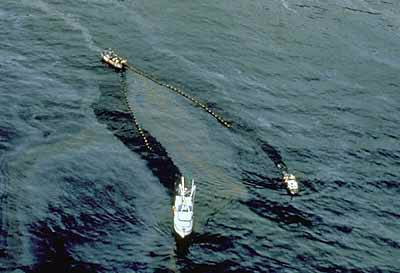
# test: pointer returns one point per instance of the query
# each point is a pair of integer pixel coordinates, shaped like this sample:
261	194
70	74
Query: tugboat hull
117	68
113	60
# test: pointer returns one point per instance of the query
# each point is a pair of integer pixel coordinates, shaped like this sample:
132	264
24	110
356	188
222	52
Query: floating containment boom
112	59
178	91
135	121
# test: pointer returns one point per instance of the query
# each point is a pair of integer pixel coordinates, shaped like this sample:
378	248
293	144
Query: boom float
135	122
112	59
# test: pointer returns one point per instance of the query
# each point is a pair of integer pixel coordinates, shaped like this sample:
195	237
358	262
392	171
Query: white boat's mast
183	185
193	188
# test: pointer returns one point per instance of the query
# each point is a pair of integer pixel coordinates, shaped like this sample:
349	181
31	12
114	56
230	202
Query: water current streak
181	93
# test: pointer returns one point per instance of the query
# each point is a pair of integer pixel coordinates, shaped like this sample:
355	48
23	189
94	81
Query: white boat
291	183
110	57
183	209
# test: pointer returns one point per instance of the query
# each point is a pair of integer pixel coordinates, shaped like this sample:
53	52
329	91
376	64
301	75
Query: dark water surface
312	83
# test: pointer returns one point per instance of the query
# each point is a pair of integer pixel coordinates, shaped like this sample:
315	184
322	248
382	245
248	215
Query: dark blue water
309	84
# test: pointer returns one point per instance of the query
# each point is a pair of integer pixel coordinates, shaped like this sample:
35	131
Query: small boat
183	209
111	58
291	183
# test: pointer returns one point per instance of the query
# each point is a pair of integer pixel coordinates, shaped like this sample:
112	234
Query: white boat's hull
183	227
110	58
183	210
291	183
110	62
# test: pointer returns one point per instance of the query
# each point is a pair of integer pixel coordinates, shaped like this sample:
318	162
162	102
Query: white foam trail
286	6
367	6
68	19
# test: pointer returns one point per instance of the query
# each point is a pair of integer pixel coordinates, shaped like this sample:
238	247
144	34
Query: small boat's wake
68	19
286	6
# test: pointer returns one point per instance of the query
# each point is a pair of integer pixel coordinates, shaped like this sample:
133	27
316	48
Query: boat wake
68	19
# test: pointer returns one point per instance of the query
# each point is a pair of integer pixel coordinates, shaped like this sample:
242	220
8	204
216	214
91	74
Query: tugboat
183	209
109	57
291	183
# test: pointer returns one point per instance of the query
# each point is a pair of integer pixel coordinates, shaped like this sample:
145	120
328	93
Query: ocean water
309	84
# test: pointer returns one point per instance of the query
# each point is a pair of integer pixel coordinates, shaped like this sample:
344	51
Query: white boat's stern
293	186
291	183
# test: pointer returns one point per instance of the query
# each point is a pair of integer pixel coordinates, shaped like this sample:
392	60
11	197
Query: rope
183	94
135	122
